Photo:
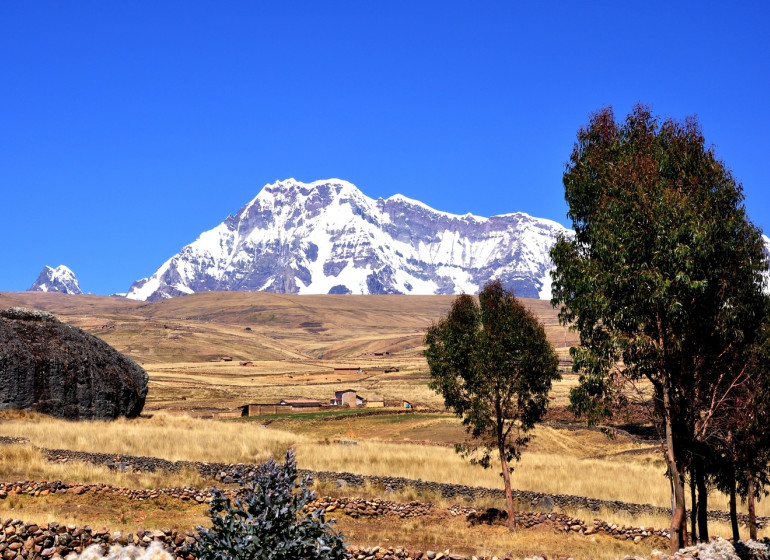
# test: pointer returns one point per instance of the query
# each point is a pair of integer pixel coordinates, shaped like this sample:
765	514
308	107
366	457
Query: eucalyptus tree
494	366
662	279
742	432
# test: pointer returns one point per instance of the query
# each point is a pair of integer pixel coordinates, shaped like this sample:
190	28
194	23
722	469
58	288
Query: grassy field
574	461
293	344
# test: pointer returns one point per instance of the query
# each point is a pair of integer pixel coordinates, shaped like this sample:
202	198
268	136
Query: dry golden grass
22	462
559	461
454	534
180	387
117	513
207	326
169	437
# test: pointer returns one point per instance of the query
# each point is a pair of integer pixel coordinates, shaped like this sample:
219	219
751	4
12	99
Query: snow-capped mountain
59	279
328	237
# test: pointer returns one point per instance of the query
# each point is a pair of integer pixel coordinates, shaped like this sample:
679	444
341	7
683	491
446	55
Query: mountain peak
60	279
329	237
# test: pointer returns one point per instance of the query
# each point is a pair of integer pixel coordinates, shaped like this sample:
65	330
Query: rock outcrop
53	368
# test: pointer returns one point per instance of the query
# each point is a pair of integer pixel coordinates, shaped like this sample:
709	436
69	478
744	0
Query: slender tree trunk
752	509
507	482
693	504
703	509
734	507
678	527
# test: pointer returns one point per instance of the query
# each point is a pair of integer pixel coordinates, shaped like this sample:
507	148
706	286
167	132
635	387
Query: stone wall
231	473
19	541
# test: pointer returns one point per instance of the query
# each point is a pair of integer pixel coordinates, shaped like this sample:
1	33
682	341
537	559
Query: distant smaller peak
59	279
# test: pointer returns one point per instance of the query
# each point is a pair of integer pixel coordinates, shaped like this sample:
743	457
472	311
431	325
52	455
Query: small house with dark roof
353	369
301	404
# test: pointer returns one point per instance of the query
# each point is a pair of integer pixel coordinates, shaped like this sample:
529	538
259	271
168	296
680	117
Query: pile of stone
115	461
720	549
635	534
9	440
240	472
25	540
567	524
359	507
21	540
535	500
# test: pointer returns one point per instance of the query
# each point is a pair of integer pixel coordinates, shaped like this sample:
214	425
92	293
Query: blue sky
128	128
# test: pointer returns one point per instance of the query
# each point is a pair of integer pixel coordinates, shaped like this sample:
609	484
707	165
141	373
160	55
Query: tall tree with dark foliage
492	363
662	279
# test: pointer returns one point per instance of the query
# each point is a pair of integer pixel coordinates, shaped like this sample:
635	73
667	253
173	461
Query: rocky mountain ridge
60	279
328	237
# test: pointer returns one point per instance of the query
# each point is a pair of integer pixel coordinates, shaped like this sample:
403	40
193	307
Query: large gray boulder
54	368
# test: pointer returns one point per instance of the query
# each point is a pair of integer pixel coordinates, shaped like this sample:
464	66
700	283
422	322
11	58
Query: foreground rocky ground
26	540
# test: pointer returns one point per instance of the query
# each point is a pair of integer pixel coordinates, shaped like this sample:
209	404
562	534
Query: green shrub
267	519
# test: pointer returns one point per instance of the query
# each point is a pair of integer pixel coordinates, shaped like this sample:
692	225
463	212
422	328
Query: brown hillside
292	343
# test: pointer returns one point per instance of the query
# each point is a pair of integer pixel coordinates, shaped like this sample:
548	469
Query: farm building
348	370
258	409
302	405
346	397
231	413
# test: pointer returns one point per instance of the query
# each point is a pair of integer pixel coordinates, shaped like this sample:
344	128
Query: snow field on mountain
310	238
